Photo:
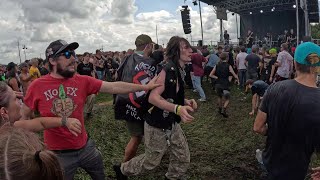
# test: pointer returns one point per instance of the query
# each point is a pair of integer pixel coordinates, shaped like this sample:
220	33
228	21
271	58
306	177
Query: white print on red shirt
63	105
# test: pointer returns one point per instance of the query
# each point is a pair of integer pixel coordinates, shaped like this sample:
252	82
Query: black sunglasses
68	54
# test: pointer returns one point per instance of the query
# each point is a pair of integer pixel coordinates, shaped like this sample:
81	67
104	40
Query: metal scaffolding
255	6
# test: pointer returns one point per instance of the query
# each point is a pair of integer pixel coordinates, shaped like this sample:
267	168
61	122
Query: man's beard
64	73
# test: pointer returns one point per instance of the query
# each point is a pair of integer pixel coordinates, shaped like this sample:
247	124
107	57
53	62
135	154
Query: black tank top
222	72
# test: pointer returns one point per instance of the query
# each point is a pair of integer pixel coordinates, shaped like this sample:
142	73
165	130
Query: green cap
143	39
304	50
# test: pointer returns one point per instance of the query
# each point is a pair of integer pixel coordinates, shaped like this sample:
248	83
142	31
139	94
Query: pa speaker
185	17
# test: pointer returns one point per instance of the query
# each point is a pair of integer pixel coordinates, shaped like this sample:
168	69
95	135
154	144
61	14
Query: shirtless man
25	78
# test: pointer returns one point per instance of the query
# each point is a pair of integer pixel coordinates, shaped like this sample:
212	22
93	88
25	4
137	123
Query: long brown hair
22	157
173	48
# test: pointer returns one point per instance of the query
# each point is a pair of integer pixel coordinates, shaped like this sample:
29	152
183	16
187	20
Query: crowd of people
56	95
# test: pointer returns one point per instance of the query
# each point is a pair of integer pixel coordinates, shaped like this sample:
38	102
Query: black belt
69	150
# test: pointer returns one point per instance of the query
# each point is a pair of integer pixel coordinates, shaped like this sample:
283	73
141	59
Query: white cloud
112	24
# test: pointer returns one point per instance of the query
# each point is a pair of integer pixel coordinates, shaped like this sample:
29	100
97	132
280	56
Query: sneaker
118	172
202	100
224	113
194	91
259	156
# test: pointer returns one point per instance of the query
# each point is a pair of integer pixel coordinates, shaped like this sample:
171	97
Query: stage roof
255	6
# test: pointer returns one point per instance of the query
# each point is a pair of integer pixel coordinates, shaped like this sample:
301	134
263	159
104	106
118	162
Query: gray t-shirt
286	67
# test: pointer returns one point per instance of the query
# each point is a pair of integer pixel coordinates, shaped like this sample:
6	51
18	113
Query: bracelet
64	121
178	110
175	109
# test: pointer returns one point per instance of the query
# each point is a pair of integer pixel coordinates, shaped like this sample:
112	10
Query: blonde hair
22	157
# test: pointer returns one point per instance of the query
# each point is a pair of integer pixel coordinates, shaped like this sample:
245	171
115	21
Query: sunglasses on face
68	54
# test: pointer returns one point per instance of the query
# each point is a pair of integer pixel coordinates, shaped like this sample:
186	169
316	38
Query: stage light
294	6
261	11
272	10
250	12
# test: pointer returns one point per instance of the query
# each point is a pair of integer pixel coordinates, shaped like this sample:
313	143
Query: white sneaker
259	156
194	91
202	100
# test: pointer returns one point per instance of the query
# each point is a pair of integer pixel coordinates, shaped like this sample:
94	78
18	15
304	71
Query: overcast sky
113	24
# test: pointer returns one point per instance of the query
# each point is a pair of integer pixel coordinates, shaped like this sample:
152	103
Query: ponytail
48	165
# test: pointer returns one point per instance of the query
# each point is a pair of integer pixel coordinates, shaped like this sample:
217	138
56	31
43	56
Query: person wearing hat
289	117
24	76
62	93
129	72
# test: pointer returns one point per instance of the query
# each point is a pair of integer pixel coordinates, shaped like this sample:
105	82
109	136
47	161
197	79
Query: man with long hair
162	131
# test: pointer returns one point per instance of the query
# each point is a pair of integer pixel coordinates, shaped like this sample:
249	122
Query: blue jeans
88	158
100	74
196	81
242	77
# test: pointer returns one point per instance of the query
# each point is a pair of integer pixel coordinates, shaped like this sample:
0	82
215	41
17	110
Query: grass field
221	148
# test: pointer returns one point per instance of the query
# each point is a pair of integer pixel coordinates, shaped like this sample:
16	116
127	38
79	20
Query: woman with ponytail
22	156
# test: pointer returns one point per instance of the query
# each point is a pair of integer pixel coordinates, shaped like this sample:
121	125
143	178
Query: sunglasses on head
68	54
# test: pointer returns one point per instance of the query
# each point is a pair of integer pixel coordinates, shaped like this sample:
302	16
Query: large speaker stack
185	15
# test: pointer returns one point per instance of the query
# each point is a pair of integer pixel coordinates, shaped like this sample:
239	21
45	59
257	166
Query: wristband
178	110
64	121
175	109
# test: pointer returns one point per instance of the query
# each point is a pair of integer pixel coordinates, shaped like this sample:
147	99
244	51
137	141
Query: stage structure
270	16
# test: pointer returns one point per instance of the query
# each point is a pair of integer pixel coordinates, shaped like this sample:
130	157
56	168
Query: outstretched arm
41	123
125	88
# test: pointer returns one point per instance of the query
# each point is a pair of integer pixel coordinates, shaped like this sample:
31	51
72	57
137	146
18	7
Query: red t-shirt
197	60
53	97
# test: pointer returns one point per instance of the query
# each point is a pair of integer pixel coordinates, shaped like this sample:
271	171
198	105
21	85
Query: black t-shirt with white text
293	119
85	69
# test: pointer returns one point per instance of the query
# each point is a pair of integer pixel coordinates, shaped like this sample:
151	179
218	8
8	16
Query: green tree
315	31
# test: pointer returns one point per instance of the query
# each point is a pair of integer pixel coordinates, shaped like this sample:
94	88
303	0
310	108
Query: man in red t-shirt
197	72
62	93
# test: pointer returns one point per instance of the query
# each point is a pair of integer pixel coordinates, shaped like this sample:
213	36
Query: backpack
138	70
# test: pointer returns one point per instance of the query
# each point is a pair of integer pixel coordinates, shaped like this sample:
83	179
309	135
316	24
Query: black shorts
223	92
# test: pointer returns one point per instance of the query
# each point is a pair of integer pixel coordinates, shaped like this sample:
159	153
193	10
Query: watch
64	121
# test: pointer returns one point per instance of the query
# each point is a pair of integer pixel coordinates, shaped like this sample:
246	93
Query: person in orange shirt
34	71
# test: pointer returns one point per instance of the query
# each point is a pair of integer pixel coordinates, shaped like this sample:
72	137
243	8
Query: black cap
59	46
11	65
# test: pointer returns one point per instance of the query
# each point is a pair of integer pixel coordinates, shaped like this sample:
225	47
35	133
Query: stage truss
243	7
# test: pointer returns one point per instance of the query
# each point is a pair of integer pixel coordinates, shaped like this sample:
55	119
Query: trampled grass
221	148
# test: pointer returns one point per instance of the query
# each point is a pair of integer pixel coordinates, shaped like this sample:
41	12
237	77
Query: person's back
286	61
241	57
289	117
213	60
222	72
253	62
293	128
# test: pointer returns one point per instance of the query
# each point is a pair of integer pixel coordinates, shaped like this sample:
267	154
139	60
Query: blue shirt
213	60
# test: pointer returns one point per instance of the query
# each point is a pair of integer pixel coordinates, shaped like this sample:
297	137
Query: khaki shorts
135	128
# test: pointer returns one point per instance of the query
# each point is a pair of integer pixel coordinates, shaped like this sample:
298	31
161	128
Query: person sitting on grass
258	88
221	73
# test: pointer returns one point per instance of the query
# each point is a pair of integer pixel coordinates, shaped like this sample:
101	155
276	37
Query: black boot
118	172
224	113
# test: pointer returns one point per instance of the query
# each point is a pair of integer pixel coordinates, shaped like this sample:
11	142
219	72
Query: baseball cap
59	46
304	50
143	39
